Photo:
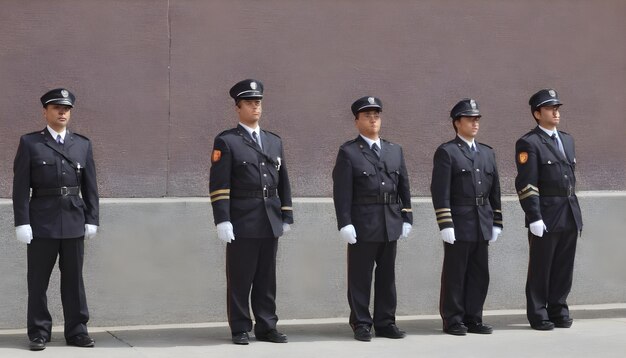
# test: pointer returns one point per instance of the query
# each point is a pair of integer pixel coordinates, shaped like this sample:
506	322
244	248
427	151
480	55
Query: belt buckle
385	198
64	191
570	191
480	201
266	193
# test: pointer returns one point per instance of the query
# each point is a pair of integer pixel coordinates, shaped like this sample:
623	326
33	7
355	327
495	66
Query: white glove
494	233
24	233
447	235
286	228
537	228
348	234
90	231
406	230
225	231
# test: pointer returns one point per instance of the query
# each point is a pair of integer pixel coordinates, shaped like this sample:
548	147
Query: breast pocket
462	182
43	168
550	171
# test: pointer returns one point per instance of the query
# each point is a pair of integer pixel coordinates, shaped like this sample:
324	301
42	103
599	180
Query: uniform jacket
460	181
38	166
359	173
546	181
240	172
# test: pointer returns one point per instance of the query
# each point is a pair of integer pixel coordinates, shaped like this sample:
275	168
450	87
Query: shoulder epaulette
272	133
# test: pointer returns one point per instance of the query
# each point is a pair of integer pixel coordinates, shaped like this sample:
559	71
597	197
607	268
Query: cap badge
253	85
64	93
473	103
552	93
371	100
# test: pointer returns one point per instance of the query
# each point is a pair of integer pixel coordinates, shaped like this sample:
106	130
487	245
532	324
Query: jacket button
565	175
262	163
477	169
63	161
480	182
383	183
264	175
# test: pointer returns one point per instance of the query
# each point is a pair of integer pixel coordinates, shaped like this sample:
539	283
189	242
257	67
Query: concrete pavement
598	331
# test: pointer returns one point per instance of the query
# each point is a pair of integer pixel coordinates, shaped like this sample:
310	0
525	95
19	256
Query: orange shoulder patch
216	155
522	157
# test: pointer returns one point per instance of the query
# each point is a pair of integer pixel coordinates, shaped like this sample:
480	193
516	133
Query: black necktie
473	150
556	144
256	140
59	140
376	150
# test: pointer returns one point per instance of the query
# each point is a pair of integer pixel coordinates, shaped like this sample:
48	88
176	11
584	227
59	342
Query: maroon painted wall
152	78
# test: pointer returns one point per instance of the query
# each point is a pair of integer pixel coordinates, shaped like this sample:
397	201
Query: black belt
265	193
62	191
385	198
477	201
565	192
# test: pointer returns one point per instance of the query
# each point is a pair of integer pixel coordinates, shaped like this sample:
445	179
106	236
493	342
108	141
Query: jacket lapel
568	148
464	148
367	151
547	141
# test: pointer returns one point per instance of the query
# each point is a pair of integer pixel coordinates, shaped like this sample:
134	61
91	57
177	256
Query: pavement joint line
119	339
310	321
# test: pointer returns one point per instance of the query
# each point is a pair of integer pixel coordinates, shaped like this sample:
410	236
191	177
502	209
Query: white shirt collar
250	130
469	143
370	141
54	133
549	132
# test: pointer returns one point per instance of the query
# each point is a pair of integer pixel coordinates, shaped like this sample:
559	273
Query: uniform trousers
464	282
361	259
42	255
251	277
550	274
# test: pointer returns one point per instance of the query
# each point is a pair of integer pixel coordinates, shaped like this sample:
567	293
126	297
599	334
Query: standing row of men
55	202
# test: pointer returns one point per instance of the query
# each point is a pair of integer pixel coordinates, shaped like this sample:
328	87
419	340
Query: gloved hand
24	233
494	233
90	231
406	230
537	228
447	235
286	228
225	231
348	234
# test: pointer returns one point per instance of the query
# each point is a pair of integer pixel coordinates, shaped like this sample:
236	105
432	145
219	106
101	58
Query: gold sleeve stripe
497	222
444	221
497	211
440	210
221	191
528	187
286	208
443	215
223	197
407	210
530	193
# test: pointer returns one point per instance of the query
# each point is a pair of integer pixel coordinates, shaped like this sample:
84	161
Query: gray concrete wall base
159	261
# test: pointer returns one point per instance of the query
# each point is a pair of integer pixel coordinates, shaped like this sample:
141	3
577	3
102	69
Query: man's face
249	111
467	127
548	116
57	116
368	123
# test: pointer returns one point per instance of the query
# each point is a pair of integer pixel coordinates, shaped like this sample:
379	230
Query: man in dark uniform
465	190
54	220
251	199
546	185
373	205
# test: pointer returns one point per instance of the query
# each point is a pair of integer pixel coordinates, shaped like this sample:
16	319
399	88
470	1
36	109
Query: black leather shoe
271	336
479	328
37	344
563	322
391	331
241	338
456	330
363	334
80	340
543	326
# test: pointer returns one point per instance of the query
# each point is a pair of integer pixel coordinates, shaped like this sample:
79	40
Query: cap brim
63	102
550	102
468	114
